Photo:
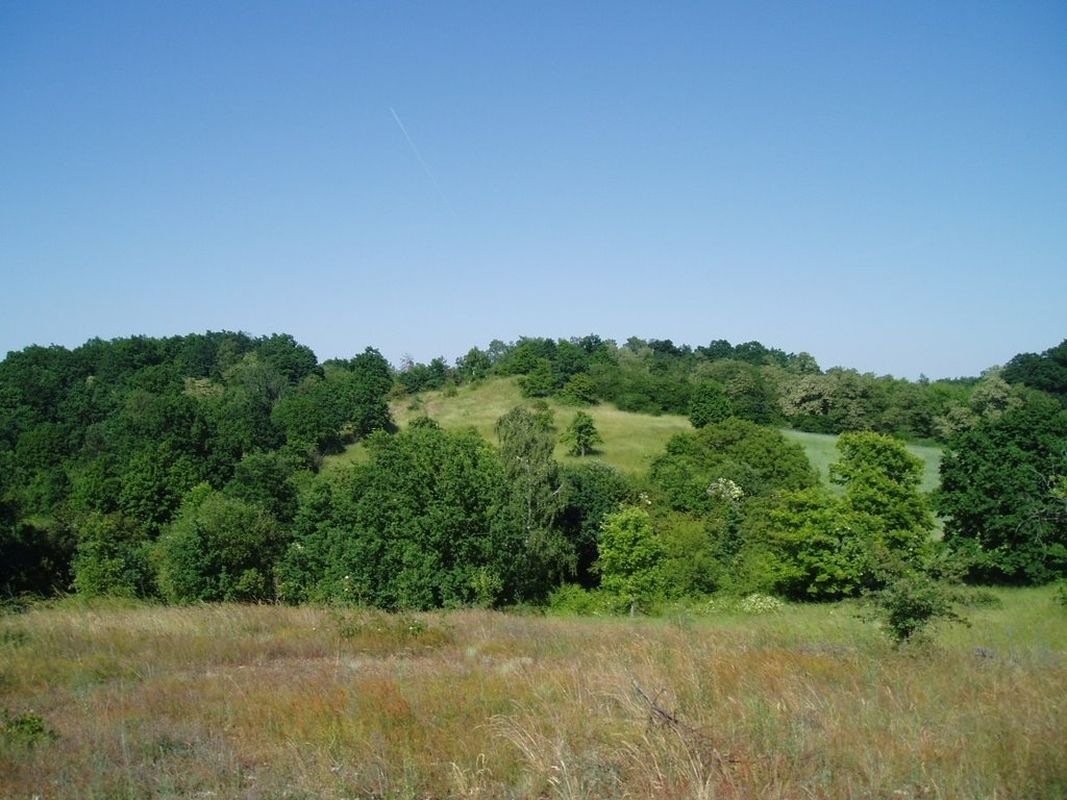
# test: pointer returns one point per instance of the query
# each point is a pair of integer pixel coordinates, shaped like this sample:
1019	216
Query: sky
882	185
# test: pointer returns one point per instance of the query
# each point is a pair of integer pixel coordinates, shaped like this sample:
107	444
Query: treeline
749	380
188	468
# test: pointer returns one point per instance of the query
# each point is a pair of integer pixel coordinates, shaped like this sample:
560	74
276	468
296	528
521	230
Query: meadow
123	700
631	440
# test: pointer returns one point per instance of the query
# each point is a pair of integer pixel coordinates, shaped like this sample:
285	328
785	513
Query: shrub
26	729
570	599
219	548
760	604
911	603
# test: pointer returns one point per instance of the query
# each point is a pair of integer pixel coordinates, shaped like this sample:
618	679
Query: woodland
197	468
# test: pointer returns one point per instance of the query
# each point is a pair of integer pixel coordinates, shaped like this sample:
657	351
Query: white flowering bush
726	489
760	604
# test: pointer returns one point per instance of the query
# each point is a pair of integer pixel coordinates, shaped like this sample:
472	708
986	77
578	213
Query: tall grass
264	702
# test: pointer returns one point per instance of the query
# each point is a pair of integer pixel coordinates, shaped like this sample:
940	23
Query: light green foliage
113	558
581	435
820	549
695	559
527	441
570	599
579	390
881	480
824	547
821	450
631	557
218	548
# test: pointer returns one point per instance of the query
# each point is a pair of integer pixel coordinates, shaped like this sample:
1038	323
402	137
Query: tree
1047	372
218	549
591	490
759	460
527	442
579	390
630	557
113	558
709	405
539	381
1001	486
423	524
581	434
881	479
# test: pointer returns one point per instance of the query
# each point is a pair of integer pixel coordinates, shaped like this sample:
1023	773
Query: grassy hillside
630	440
262	702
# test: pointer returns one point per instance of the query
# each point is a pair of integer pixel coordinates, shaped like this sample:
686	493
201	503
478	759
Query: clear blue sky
882	185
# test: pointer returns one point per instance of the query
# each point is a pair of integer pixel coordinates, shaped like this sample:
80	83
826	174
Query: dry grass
265	702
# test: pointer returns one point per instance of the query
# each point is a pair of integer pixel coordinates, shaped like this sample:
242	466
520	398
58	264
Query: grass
630	440
270	702
821	449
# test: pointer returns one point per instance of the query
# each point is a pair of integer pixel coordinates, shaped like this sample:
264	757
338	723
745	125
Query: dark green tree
709	405
1001	493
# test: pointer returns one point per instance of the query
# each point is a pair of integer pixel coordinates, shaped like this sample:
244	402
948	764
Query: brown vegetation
264	701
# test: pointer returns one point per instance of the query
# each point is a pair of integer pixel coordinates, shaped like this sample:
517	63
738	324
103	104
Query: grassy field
630	440
821	449
113	701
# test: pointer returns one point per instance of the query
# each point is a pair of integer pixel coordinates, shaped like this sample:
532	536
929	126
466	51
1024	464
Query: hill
630	440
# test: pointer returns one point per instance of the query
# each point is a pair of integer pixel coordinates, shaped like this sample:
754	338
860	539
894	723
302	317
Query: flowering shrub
760	604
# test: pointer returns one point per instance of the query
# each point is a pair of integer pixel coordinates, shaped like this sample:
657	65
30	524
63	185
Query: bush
570	599
911	603
113	558
218	548
26	729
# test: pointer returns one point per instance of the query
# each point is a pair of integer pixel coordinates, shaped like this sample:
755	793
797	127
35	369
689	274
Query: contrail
422	161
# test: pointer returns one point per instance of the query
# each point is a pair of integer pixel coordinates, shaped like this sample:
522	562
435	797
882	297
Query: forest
191	468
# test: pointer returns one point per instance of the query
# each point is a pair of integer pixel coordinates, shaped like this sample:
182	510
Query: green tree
709	405
1000	493
218	549
881	479
579	390
527	441
113	558
758	460
581	435
591	490
819	549
539	381
631	557
422	524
